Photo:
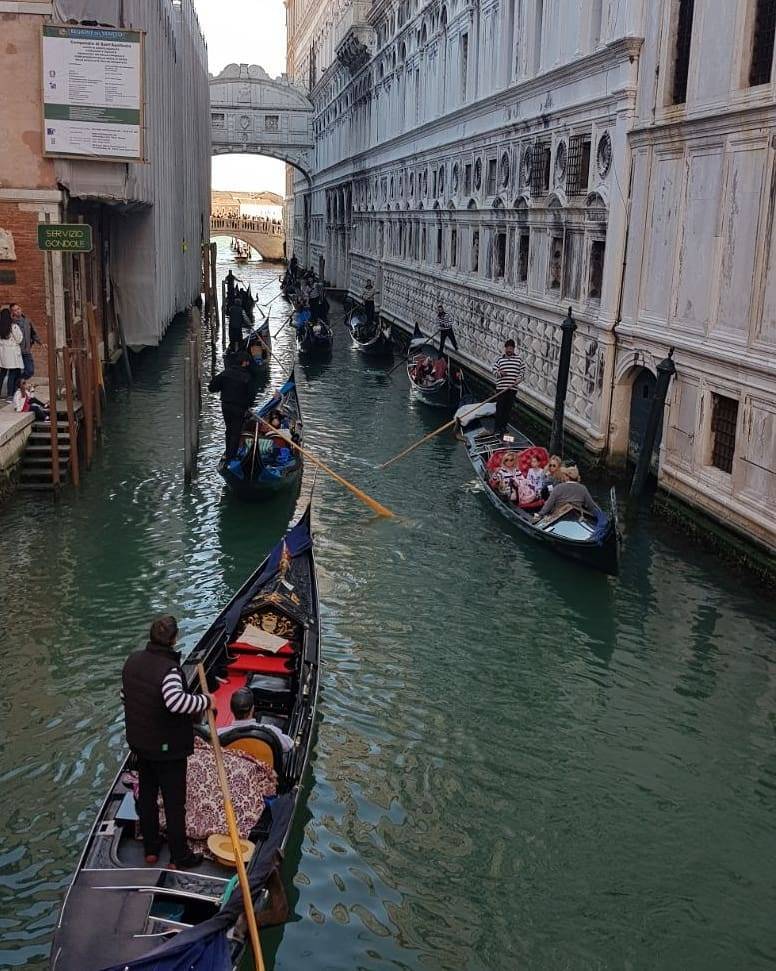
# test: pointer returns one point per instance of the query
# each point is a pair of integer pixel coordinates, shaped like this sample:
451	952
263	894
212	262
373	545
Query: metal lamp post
665	371
556	437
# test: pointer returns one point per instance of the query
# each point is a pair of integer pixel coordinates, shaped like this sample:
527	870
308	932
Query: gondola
314	337
372	340
265	465
434	378
594	544
118	910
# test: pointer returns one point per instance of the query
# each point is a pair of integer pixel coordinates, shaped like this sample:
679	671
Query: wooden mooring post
192	395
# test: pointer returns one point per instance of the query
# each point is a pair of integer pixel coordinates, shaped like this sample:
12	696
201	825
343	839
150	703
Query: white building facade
507	158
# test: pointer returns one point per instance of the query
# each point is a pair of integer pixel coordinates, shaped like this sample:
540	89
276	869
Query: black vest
153	732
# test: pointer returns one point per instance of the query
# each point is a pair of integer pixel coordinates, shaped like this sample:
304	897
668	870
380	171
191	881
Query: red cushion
261	664
524	457
494	462
223	695
536	504
285	651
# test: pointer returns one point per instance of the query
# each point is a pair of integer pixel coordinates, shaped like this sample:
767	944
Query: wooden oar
373	504
447	424
234	835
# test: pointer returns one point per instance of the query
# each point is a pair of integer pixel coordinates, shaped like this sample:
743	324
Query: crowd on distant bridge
224	219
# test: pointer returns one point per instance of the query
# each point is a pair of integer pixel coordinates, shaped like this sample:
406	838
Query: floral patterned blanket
249	782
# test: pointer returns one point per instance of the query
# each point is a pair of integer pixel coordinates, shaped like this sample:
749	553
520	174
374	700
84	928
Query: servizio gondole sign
92	92
71	237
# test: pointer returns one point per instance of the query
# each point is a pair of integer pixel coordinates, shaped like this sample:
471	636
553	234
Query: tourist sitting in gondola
439	369
242	706
569	495
422	369
504	479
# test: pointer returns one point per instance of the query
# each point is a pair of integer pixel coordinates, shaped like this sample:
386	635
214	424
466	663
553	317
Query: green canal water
518	765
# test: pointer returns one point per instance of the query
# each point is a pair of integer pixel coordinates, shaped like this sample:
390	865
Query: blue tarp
210	953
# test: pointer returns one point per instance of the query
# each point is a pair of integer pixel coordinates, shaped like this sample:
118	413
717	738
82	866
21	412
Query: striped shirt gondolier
179	701
509	371
445	321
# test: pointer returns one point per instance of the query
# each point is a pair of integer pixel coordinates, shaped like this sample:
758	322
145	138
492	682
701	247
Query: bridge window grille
764	31
684	22
724	418
219	120
272	123
540	168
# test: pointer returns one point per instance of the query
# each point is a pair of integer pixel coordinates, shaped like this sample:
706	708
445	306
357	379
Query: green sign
72	237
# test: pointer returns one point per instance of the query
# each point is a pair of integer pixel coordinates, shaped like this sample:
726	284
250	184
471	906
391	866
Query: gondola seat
261	664
257	741
285	651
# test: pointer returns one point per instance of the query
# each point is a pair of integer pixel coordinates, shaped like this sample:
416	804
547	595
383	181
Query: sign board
72	237
92	92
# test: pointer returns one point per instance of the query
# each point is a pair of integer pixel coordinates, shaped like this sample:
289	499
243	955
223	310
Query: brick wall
30	287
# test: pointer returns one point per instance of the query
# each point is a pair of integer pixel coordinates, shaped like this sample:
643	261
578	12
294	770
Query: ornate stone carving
604	154
7	247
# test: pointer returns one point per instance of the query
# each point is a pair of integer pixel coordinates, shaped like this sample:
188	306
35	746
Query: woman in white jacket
11	361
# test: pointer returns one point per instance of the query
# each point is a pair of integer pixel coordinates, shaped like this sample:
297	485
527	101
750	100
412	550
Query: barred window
491	177
540	168
764	30
684	21
500	255
724	418
454	247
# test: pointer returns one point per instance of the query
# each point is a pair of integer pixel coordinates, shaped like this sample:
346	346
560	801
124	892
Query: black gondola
117	909
594	544
373	339
434	378
266	464
315	336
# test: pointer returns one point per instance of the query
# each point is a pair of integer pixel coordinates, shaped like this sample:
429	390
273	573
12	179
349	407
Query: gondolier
237	320
368	299
445	324
237	390
510	372
158	713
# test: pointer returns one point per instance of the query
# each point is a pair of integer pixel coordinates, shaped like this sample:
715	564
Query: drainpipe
556	437
665	371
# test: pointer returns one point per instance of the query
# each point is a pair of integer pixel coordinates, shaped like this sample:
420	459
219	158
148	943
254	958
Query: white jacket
10	349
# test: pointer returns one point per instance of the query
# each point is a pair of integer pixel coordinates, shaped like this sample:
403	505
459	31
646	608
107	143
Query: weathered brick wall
30	287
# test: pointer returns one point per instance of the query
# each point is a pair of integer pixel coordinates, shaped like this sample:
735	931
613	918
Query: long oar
234	835
447	424
368	500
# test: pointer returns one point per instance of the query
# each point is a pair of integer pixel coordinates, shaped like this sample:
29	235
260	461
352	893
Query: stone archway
632	398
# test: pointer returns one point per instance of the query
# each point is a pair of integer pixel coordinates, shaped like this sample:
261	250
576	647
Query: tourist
236	388
11	361
569	493
293	267
29	337
504	479
315	299
445	323
158	713
237	320
510	372
368	299
241	704
24	400
535	475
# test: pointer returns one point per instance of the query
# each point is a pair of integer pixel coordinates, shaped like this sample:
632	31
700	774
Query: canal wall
15	430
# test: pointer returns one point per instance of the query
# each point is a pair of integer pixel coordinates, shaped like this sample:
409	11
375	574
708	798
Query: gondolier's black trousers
170	778
504	405
369	307
233	420
446	334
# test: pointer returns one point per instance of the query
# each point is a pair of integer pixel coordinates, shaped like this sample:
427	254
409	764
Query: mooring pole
665	371
564	363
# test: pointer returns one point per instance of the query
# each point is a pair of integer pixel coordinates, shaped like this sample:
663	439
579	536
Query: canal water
519	764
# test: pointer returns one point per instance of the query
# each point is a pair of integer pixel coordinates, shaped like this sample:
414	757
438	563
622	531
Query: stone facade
504	157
